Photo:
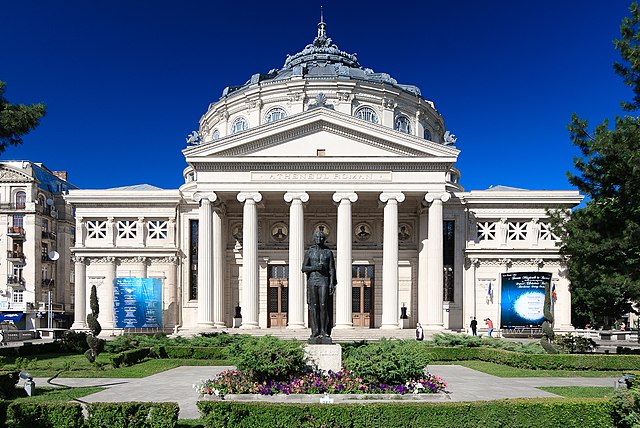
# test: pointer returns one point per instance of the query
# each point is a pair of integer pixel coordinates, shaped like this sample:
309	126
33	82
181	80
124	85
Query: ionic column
344	310
80	294
562	306
390	317
435	263
205	247
218	269
81	229
422	267
107	309
141	263
296	257
250	277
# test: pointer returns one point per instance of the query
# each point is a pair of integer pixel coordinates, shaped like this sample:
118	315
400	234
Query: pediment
302	135
10	175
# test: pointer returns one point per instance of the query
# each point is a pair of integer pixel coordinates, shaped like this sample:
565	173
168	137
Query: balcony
15	280
12	206
55	307
15	256
48	235
48	282
16	232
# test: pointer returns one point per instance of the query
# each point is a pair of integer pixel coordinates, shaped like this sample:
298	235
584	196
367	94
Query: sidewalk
177	385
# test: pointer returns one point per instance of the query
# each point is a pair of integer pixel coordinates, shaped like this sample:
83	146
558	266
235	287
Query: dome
322	59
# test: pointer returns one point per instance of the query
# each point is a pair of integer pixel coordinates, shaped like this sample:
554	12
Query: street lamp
53	256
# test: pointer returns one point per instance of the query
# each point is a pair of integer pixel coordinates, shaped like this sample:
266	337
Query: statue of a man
320	267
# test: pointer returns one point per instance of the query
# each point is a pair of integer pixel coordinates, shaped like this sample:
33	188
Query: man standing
474	326
320	267
489	324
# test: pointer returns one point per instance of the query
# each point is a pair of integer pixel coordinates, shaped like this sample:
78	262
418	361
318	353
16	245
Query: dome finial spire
322	27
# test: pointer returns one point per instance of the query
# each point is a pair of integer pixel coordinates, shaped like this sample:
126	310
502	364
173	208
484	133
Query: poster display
522	299
137	302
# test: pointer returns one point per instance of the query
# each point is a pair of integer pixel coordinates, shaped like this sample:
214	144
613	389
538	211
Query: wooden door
278	295
362	295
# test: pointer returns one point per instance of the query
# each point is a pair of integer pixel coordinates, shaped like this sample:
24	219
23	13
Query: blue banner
522	299
137	302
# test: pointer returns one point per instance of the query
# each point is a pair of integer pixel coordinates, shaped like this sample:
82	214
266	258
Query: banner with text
137	303
522	299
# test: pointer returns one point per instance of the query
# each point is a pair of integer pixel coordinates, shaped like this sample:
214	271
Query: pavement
176	385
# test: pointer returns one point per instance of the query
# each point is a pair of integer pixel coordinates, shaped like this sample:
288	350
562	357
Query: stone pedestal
324	357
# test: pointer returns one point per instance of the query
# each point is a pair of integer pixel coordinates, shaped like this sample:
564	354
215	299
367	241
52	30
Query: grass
46	393
580	391
500	370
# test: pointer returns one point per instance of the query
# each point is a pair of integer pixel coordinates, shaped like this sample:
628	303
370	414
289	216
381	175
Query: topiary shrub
547	325
269	358
387	362
96	345
74	341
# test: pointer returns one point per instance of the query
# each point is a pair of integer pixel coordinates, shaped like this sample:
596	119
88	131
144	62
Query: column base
219	324
296	326
433	327
389	327
205	324
78	325
348	326
249	326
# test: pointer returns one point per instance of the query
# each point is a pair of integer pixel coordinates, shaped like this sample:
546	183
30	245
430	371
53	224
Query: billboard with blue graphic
522	299
137	302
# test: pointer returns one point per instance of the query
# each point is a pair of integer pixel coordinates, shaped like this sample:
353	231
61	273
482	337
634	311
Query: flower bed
341	382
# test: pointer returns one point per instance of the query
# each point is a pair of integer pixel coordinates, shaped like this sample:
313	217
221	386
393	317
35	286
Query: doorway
362	295
278	296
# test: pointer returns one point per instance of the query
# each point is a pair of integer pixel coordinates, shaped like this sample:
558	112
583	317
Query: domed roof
322	59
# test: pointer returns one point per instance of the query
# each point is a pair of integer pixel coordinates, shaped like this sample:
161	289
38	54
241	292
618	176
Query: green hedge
8	381
31	349
538	361
541	413
44	415
131	357
194	352
132	415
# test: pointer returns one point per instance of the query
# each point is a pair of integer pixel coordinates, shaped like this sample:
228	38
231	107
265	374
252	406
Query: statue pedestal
324	357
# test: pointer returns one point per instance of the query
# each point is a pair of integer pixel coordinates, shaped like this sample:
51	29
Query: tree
96	345
17	120
601	242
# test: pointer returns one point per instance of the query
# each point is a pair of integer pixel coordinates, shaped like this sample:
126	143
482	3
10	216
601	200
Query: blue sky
126	81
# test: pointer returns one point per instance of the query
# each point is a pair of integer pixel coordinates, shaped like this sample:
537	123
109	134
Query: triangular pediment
10	175
303	135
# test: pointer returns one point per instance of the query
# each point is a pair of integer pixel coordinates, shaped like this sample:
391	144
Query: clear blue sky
126	81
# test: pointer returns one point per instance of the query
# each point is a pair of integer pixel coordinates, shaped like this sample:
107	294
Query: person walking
474	326
489	324
419	332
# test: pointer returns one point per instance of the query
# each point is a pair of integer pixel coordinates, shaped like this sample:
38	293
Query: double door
278	296
362	295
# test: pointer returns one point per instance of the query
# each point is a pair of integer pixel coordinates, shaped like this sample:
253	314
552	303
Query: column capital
430	197
339	196
243	196
387	196
78	259
210	196
290	196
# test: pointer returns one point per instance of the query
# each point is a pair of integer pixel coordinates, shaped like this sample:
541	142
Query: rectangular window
18	221
448	258
18	296
193	259
321	152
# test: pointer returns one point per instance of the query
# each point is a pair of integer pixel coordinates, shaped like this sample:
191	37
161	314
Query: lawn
47	393
580	391
500	370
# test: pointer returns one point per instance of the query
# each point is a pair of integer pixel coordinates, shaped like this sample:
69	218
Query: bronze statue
320	267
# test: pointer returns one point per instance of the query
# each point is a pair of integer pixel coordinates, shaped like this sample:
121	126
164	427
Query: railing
48	282
14	279
19	255
15	230
48	235
13	206
55	307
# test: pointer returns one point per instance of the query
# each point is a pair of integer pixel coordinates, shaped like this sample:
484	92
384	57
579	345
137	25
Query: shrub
269	358
625	408
74	341
44	415
386	362
132	415
96	345
131	357
463	340
8	381
194	352
570	344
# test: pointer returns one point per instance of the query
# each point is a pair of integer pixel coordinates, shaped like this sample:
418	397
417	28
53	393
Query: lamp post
53	256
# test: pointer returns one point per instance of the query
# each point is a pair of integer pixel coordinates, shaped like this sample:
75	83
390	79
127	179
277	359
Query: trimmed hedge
194	352
31	349
541	413
131	357
8	381
44	415
132	415
538	361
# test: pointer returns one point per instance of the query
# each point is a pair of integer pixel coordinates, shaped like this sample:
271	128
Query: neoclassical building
320	144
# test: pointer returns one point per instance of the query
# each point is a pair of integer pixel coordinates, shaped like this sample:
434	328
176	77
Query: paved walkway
177	385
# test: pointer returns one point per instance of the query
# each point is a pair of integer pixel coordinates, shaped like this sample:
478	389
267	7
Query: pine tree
17	120
601	242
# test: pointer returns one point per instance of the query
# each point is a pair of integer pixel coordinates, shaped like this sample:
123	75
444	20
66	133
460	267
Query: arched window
275	114
21	200
403	124
367	113
427	134
215	135
240	124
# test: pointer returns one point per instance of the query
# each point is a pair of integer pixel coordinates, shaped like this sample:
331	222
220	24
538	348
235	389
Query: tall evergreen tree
601	242
17	120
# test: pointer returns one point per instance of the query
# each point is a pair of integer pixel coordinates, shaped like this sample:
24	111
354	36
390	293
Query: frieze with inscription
313	177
